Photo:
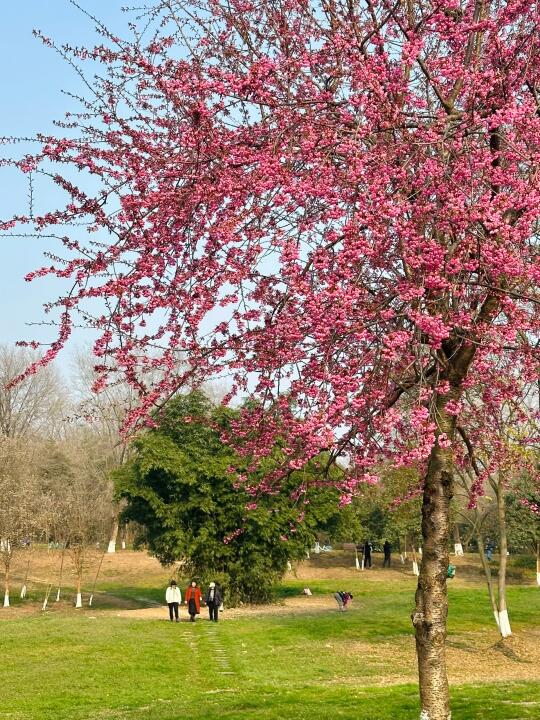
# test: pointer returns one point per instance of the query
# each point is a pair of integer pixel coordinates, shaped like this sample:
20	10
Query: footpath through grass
315	666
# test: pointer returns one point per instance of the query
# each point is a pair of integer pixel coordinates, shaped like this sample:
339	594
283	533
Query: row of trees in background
59	458
180	489
55	461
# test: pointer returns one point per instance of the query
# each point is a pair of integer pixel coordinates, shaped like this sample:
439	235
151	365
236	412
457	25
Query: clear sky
32	78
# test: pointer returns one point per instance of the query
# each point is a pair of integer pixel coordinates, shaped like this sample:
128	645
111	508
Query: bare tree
34	406
18	517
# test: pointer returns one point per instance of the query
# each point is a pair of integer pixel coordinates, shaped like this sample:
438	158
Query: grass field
299	659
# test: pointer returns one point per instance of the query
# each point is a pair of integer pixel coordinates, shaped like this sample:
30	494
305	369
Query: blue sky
32	78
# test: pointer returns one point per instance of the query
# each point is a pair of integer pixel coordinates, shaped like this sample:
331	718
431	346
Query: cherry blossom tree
336	204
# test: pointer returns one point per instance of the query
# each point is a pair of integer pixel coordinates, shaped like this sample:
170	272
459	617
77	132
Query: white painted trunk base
401	559
538	578
458	549
124	546
23	592
357	563
44	607
504	624
58	595
90	600
6	598
112	546
78	603
420	551
496	616
415	568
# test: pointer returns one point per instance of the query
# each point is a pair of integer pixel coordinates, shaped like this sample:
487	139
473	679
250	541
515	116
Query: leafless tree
34	406
18	508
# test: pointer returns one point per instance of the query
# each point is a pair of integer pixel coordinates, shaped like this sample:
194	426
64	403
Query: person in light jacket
173	598
193	600
213	600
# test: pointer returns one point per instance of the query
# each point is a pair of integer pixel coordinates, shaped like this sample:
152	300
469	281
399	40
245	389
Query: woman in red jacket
193	600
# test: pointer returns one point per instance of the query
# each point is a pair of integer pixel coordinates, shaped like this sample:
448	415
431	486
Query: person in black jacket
367	554
387	548
213	600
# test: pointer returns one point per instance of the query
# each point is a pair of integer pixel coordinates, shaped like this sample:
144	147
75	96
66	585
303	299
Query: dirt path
292	606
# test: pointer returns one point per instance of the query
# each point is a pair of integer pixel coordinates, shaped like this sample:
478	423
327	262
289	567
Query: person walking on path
173	598
367	554
193	600
387	548
213	601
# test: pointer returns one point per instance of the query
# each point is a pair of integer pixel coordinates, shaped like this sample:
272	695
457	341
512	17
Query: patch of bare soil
125	568
471	658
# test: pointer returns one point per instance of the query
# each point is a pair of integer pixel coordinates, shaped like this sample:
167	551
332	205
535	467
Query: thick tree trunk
429	617
504	622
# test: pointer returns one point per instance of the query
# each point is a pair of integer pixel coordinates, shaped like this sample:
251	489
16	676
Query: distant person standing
173	598
213	601
387	548
367	554
193	600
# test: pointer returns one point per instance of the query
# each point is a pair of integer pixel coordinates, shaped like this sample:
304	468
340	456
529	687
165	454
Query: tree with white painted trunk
492	468
76	496
18	505
105	411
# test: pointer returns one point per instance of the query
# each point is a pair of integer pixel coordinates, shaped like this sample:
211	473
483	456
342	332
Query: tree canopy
180	488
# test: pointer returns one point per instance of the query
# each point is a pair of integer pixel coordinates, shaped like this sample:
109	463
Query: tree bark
429	617
504	622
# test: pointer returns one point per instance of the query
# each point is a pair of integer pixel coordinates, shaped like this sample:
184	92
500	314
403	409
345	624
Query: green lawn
319	665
